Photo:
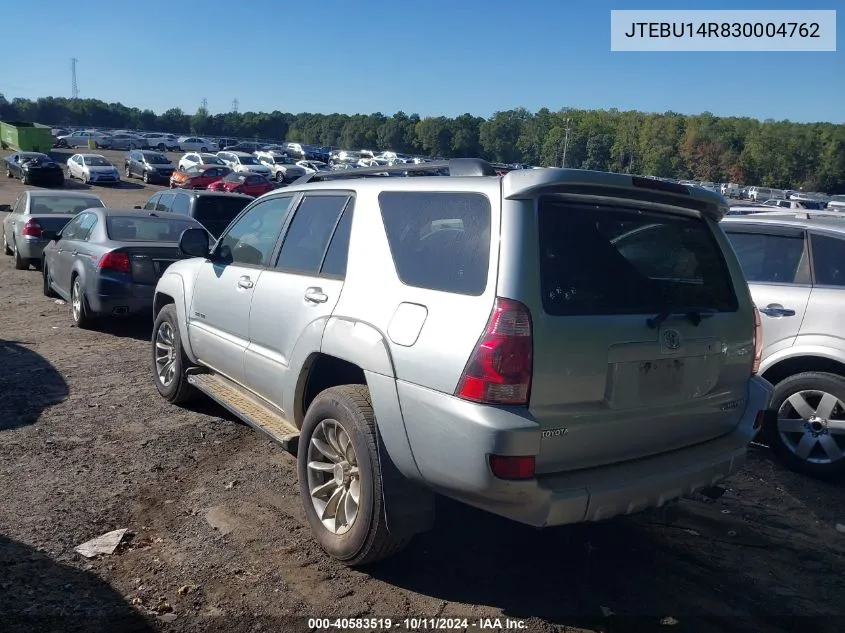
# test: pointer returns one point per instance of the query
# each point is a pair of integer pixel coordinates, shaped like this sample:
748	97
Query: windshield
34	156
96	161
621	260
248	160
211	159
44	205
154	158
216	212
235	177
146	229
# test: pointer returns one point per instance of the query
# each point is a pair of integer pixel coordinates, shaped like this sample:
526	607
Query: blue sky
433	57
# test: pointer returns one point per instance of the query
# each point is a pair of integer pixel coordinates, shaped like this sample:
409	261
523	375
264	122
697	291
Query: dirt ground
87	446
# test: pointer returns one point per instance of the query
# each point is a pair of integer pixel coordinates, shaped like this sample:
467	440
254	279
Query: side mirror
194	242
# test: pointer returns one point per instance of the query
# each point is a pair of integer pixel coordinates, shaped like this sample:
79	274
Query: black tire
128	172
204	150
25	177
368	540
160	147
832	384
280	177
82	319
20	262
146	177
47	289
6	248
8	173
36	264
180	390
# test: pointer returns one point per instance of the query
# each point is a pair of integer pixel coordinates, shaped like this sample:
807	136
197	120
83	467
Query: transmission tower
235	105
73	87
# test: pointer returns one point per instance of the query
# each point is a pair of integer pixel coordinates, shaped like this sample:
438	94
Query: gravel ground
218	540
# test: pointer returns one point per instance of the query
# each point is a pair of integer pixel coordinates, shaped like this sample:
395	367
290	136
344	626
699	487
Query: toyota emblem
672	339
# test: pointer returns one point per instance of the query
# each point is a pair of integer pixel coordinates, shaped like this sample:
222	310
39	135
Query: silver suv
795	265
553	346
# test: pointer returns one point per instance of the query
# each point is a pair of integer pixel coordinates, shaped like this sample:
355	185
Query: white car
283	167
162	142
243	162
313	166
92	169
197	144
836	203
80	138
191	159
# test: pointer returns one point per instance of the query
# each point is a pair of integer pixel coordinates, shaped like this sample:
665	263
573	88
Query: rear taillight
758	341
31	228
508	467
115	260
499	369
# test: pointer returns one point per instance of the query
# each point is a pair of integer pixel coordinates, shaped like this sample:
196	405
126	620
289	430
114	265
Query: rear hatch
639	343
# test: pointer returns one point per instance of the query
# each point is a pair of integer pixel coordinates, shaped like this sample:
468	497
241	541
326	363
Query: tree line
769	153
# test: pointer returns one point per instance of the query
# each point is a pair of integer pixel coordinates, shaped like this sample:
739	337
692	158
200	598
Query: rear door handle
316	295
245	282
777	310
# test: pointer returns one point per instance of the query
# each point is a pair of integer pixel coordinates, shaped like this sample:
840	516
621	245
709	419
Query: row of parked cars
391	346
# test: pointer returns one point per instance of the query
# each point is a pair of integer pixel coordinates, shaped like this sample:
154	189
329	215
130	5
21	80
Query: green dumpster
26	137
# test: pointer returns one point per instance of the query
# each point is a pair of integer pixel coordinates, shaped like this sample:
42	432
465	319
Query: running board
248	408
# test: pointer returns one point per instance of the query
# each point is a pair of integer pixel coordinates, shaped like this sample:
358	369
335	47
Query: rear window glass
44	205
216	212
620	260
439	241
132	229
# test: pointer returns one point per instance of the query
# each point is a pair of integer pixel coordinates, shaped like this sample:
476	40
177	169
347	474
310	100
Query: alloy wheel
76	301
811	424
333	477
165	354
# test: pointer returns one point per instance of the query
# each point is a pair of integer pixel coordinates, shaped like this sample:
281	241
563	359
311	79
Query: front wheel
168	358
340	479
809	433
146	177
128	172
280	177
204	149
160	147
8	173
45	275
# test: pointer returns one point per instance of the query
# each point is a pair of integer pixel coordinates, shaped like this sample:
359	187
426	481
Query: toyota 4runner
552	345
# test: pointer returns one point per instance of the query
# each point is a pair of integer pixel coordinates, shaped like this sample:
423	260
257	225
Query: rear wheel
809	433
280	177
340	479
169	361
146	177
45	276
8	173
6	249
160	147
79	311
203	149
25	177
128	172
20	262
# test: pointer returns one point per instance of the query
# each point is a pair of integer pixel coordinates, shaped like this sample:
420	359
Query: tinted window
621	260
439	241
146	229
86	225
164	202
180	204
215	213
251	239
310	231
44	205
337	255
71	229
151	203
767	258
828	260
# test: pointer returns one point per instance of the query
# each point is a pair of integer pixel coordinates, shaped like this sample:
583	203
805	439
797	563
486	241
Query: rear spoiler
529	183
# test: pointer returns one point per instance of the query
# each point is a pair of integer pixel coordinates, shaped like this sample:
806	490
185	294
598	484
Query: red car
243	182
198	176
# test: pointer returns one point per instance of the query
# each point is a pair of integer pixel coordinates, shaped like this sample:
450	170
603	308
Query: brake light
115	260
507	467
499	369
31	228
758	341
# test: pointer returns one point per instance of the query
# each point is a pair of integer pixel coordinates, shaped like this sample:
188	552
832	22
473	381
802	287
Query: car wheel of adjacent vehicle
146	177
25	177
168	358
280	177
809	434
45	276
6	249
128	172
78	305
203	149
8	173
160	147
340	479
20	262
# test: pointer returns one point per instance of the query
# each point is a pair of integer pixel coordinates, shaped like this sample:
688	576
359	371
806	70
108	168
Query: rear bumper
452	454
121	299
31	248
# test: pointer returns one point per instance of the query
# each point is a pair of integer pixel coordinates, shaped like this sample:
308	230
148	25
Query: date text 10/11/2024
416	624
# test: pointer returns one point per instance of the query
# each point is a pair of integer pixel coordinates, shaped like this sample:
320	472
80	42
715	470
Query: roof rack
452	167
